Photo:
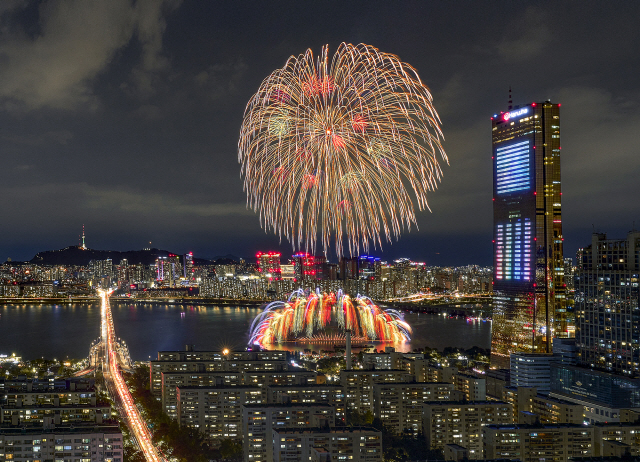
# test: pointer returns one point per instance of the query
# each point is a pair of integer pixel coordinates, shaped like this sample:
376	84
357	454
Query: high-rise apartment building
533	443
308	267
90	443
187	265
269	264
369	267
529	289
461	422
359	444
168	269
531	370
260	422
607	304
349	268
303	266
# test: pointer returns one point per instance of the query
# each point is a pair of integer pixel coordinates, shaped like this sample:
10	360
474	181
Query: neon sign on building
517	113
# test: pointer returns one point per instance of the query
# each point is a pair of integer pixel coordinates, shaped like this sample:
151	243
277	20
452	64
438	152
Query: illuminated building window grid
512	167
513	250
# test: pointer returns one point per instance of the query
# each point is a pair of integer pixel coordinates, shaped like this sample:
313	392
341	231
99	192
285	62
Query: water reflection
52	330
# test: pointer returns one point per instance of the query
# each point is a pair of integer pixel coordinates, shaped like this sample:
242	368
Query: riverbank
48	300
134	301
189	301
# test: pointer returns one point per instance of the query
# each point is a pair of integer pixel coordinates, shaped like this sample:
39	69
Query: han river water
67	329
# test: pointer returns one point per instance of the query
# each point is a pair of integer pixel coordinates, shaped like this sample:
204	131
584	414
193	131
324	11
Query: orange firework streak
328	302
309	313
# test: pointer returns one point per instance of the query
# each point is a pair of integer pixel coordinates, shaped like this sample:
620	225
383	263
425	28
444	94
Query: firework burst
357	128
305	314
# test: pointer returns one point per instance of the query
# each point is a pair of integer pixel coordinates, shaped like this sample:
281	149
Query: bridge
441	299
112	358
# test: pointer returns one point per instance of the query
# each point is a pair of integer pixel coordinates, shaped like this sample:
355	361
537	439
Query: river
67	329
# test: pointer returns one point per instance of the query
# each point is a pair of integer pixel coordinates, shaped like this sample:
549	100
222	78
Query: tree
231	449
359	419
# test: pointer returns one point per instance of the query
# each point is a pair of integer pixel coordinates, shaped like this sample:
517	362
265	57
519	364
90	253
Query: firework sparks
303	314
366	121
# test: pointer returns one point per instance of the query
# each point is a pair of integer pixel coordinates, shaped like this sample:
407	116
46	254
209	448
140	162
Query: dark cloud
124	115
77	41
526	38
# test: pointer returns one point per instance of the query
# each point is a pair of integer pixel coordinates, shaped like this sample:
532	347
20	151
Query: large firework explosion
304	314
331	147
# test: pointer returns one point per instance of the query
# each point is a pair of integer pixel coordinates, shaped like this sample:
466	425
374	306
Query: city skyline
154	95
128	121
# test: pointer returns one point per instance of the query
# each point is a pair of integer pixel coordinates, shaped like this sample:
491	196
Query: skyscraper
608	304
529	290
308	267
187	265
269	264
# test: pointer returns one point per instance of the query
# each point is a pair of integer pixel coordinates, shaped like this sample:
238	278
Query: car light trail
116	383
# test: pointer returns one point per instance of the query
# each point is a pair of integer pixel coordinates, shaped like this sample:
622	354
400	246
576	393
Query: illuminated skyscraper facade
529	289
187	265
308	267
269	264
608	304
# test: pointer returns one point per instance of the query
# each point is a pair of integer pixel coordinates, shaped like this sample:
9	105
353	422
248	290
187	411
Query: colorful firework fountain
305	316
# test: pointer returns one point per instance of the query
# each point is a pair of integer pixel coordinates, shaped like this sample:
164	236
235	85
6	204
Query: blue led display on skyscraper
513	172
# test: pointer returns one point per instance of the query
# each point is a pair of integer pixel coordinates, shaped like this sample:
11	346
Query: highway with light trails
118	388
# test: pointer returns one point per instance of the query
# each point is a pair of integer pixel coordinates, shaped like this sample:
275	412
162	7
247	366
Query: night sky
124	116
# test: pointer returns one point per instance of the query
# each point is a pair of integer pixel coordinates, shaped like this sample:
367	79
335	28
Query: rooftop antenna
510	99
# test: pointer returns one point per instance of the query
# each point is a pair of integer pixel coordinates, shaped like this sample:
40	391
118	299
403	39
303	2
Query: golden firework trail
331	148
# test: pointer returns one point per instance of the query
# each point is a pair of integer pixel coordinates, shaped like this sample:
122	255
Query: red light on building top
533	104
559	104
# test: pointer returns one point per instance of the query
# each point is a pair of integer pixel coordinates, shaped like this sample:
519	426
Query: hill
75	255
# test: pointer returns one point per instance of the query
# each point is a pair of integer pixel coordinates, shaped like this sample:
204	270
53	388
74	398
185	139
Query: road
447	298
118	388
